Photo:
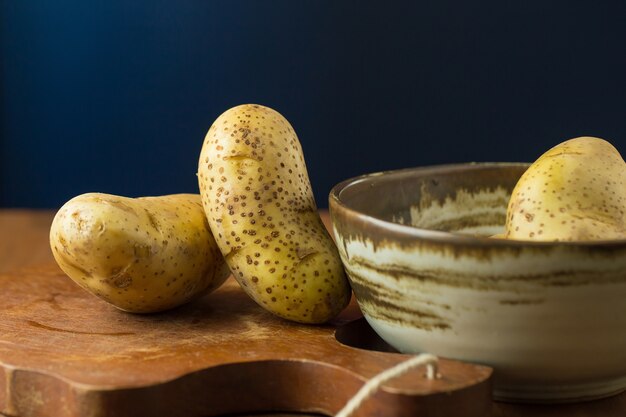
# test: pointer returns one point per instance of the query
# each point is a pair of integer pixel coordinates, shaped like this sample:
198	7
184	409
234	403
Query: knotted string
371	386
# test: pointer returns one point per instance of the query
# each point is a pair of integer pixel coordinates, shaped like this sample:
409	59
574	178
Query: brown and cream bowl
549	317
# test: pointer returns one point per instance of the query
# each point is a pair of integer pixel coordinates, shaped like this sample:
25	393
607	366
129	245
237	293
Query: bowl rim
440	236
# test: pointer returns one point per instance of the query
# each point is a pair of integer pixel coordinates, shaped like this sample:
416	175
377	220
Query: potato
260	206
576	191
140	254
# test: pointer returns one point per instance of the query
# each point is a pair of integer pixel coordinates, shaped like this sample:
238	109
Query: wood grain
68	340
62	348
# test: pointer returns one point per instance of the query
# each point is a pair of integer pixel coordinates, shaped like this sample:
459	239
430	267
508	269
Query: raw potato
574	192
260	206
142	255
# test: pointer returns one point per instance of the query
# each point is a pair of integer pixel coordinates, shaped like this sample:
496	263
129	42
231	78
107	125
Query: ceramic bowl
549	317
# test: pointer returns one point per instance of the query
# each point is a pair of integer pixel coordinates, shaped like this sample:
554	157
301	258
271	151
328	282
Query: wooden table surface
24	244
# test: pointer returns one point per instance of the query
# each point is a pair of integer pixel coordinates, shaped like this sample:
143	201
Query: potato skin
259	203
575	191
142	255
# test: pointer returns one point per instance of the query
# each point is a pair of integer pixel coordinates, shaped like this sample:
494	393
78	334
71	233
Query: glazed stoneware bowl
549	317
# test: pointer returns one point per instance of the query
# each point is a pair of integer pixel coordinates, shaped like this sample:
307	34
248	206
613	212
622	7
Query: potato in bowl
550	317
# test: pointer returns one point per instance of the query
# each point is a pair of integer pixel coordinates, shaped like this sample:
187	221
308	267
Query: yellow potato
140	254
576	191
258	200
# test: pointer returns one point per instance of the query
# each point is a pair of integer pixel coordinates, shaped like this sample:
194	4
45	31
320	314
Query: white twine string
376	382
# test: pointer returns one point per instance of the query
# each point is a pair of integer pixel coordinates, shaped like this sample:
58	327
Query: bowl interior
468	198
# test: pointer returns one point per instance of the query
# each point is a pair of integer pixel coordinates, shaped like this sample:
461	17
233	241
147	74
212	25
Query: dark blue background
116	96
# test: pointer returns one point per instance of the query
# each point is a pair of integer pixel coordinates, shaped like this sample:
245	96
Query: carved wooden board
65	353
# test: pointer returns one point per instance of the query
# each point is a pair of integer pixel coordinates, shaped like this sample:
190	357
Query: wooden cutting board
65	353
